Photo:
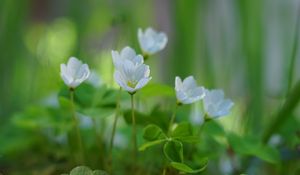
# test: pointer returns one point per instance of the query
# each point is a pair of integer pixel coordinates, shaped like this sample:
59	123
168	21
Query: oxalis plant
178	139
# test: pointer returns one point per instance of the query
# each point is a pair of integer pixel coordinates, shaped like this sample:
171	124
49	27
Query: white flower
187	91
152	41
215	105
132	77
74	73
127	53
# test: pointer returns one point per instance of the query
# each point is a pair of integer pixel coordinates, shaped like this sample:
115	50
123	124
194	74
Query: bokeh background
249	48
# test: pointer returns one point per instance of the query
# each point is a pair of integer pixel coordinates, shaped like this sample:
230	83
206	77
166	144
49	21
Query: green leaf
268	154
99	172
189	139
185	168
250	145
81	170
156	117
213	128
152	132
150	144
154	90
173	150
99	112
243	145
182	130
140	118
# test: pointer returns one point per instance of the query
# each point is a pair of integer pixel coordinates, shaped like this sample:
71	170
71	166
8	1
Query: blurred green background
249	48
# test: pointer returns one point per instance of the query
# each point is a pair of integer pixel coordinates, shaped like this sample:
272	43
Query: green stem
294	52
205	120
98	140
173	118
164	171
285	112
76	127
134	151
114	129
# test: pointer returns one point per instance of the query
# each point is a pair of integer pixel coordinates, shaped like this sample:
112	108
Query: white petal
142	83
216	95
181	96
73	65
139	59
150	32
189	83
178	84
66	80
162	41
83	73
140	72
122	82
75	83
129	54
198	92
116	58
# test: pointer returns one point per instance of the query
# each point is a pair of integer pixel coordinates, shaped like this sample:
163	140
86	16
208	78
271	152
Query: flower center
131	84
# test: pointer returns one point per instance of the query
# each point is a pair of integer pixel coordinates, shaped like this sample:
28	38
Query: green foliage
38	137
173	150
157	90
151	143
250	145
157	117
153	132
83	170
186	169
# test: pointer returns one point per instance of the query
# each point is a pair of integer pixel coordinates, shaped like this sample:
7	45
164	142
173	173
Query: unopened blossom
132	77
74	72
152	41
127	53
215	105
187	90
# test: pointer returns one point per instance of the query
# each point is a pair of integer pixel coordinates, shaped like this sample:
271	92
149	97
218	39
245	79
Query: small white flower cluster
188	92
132	74
130	71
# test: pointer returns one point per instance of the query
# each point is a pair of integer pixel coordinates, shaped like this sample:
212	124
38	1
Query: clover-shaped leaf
153	132
173	150
187	169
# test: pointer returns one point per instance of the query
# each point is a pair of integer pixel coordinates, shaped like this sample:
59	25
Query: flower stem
294	52
76	127
114	129
134	151
98	140
164	171
173	118
205	120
